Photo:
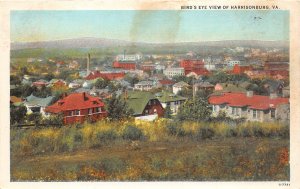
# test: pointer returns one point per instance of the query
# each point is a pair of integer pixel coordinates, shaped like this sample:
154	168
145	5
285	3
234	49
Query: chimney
88	64
273	95
124	54
249	93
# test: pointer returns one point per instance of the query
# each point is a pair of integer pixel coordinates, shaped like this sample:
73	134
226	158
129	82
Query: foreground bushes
71	138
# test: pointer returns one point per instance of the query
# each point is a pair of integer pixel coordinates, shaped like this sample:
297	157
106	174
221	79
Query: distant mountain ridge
89	42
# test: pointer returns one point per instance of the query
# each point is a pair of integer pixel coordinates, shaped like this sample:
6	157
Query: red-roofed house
238	69
194	65
105	75
165	83
77	107
126	65
252	107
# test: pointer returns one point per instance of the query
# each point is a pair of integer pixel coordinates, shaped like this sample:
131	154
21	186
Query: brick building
77	107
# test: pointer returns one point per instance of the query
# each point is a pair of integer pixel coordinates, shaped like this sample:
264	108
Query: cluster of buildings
235	101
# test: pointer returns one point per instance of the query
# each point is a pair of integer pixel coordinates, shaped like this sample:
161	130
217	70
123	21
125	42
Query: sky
167	26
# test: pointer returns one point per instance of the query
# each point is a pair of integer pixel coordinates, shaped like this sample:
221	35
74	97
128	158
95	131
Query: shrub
106	136
132	133
175	130
205	133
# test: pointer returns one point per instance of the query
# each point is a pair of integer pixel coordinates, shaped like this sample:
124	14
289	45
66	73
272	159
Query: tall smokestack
88	64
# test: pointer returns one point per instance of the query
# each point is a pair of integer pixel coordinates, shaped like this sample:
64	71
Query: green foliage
132	133
131	79
168	112
194	110
17	114
15	80
53	120
174	129
43	92
186	92
107	136
186	79
205	133
101	83
117	109
34	118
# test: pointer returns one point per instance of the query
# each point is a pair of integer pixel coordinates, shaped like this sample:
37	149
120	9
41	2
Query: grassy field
150	152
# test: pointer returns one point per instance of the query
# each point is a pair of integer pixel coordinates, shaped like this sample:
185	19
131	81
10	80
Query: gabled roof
181	84
75	101
145	83
241	100
15	99
168	97
137	100
166	82
37	101
204	84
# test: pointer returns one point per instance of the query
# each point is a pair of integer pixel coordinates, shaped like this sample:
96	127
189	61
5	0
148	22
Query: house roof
168	97
105	75
181	84
37	101
75	101
145	83
204	84
137	100
241	100
228	87
166	82
15	99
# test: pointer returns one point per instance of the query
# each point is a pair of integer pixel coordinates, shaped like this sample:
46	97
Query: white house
179	86
36	104
169	99
144	85
251	107
171	72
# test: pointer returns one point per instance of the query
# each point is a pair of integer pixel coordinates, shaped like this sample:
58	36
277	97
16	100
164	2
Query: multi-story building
193	65
171	72
171	100
77	107
144	85
126	65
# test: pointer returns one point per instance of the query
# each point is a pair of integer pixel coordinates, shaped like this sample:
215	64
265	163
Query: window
70	113
258	114
146	112
254	113
90	110
272	113
155	110
233	110
98	109
77	112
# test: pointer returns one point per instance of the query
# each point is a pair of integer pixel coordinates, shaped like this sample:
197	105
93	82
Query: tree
187	93
117	109
42	92
17	114
220	77
35	118
179	78
101	83
194	110
132	80
15	80
168	112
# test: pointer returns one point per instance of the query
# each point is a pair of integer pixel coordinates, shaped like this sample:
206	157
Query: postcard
150	94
